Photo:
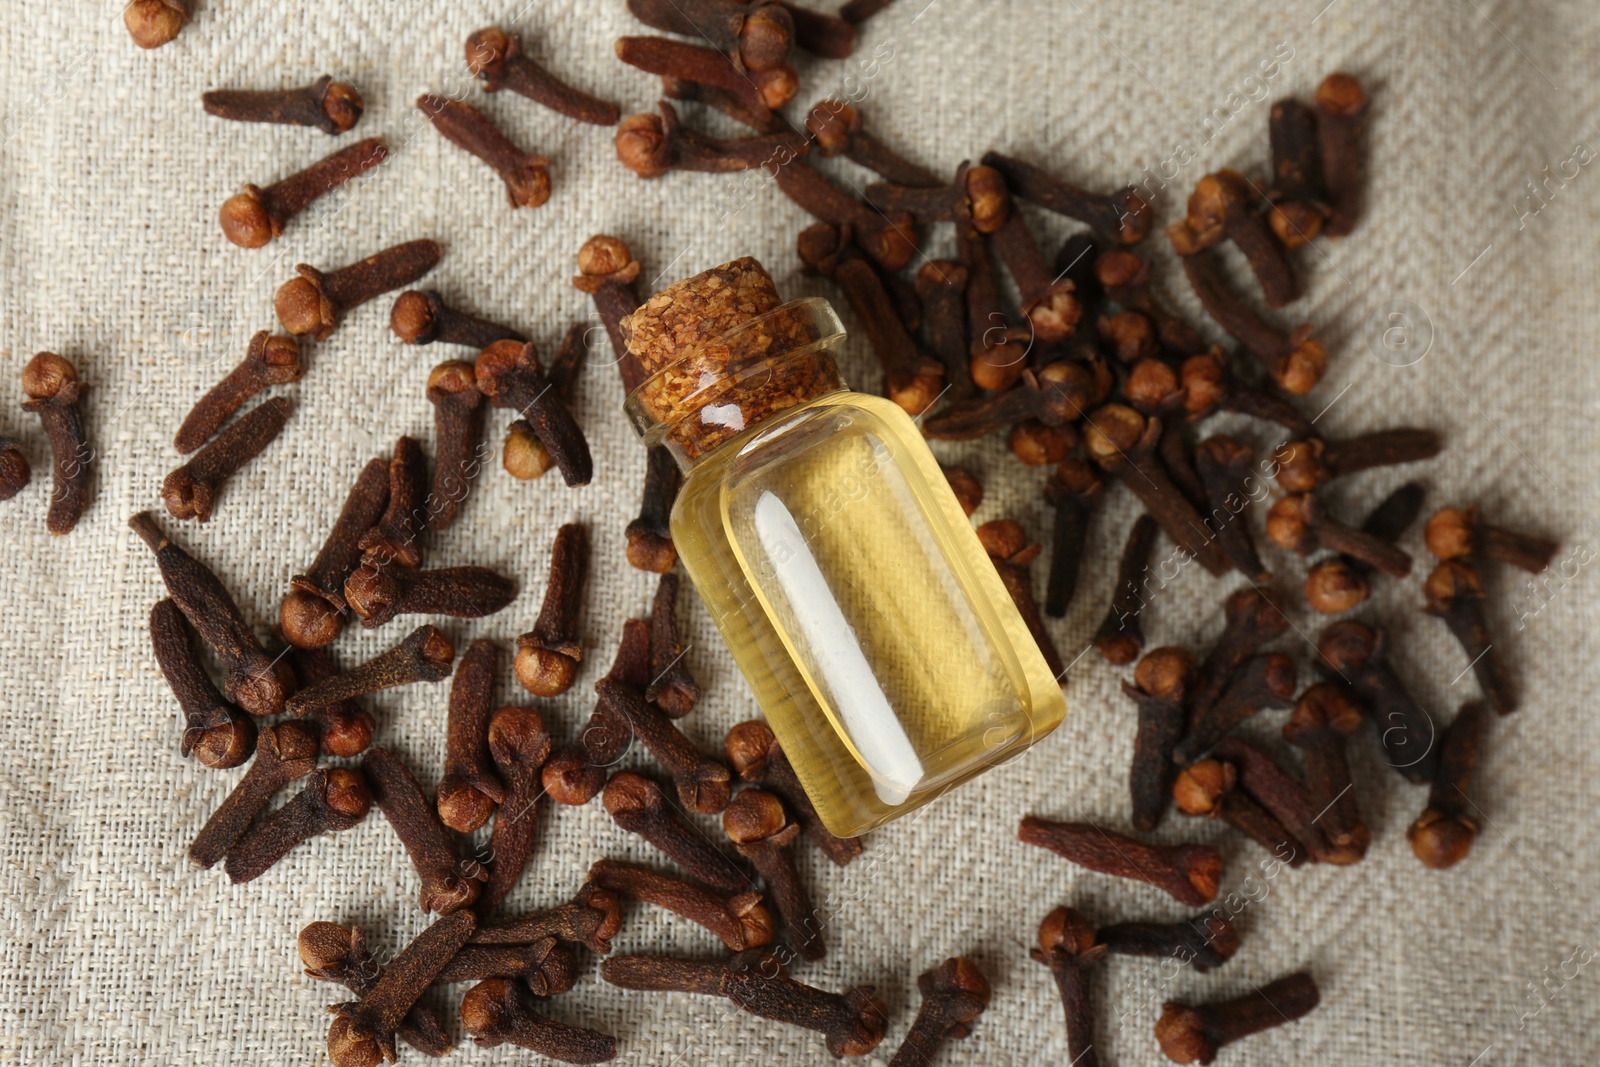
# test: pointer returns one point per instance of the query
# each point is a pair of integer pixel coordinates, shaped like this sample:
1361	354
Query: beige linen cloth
114	951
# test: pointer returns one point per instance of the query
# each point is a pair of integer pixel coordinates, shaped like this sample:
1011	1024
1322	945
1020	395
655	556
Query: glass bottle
832	554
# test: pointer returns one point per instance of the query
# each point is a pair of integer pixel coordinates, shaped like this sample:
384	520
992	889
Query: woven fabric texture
113	950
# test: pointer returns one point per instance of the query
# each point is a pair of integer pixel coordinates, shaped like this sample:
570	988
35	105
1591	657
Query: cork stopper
722	352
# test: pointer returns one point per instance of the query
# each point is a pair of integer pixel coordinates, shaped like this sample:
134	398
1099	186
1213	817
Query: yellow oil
855	597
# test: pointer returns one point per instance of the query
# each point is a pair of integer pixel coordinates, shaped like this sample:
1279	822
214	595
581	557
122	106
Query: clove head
524	455
1065	933
544	672
1441	839
1333	586
246	221
152	23
303	307
1167	673
308	620
47	376
1292	521
1201	786
642	146
414	316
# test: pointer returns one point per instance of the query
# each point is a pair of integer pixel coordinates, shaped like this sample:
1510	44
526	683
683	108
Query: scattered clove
761	832
258	216
760	92
380	593
1011	555
15	471
1209	788
997	353
1038	445
1055	395
1458	533
396	536
726	101
1047	298
457	430
1121	636
1210	386
1293	360
448	883
754	753
1071	491
822	35
1321	720
1227	469
314	302
887	236
1354	653
423	656
1162	682
1340	583
363	1031
252	681
509	375
271	360
519	747
1123	216
1306	465
1252	618
312	613
977	196
1443	834
1225	205
655	145
1281	794
1455	594
576	774
190	491
672	688
638	806
331	801
1297	193
496	59
346	727
702	783
942	287
1264	681
650	545
607	272
591	919
54	390
333	107
422	318
1125	278
1193	1034
546	966
284	753
836	127
954	994
1190	873
215	732
335	953
1297	523
1206	941
1341	107
469	791
741	921
1068	947
152	23
548	655
526	175
757	36
496	1012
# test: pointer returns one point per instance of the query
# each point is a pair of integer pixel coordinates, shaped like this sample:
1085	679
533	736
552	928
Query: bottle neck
716	390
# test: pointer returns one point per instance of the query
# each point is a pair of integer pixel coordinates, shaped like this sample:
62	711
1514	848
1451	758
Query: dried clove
1282	795
331	801
1322	718
1341	107
1162	682
1297	523
257	216
954	994
702	783
215	732
649	536
607	272
314	302
741	921
1458	533
729	103
1193	1034
15	471
836	127
672	688
1293	360
654	145
284	753
1443	834
761	92
333	107
822	35
546	966
548	655
853	1023
1227	469
271	360
1011	555
1252	618
519	747
638	806
1340	583
190	491
1264	681
449	884
1209	788
1047	299
1071	491
1120	636
1125	277
396	536
942	285
457	430
997	353
1206	941
576	774
1455	594
1190	873
1225	205
1123	216
424	655
1210	386
754	753
591	919
346	727
887	236
380	593
363	1031
526	175
421	317
1055	395
1297	193
335	953
1123	443
152	23
1309	464
757	36
1355	653
1067	946
761	832
496	59
510	376
977	196
469	791
496	1012
54	390
252	681
312	613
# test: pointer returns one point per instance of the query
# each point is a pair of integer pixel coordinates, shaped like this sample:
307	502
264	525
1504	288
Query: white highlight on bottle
874	729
